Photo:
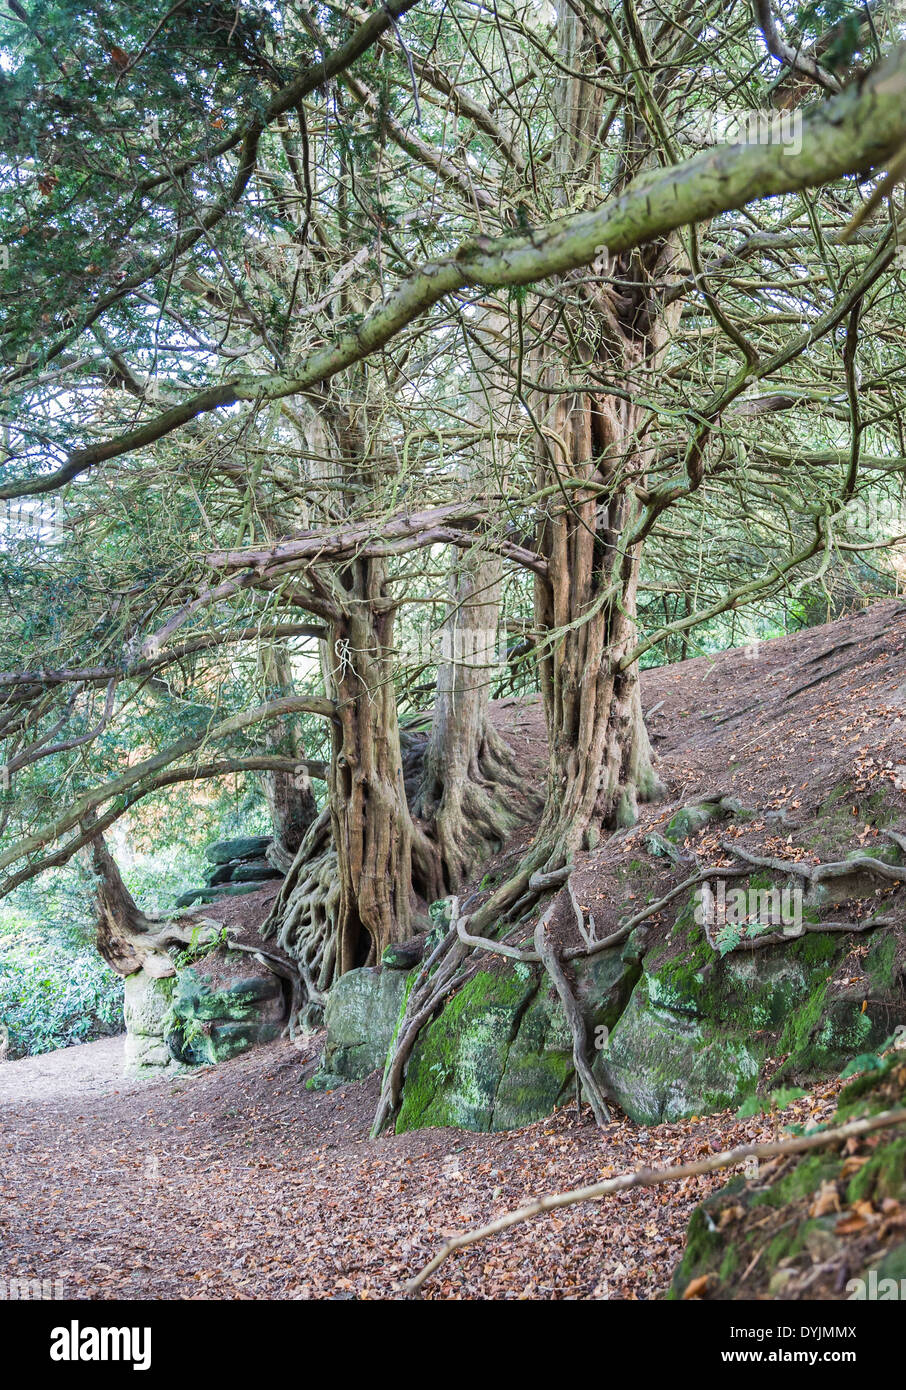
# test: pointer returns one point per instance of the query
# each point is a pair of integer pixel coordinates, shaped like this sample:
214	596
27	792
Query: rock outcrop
207	1012
239	866
680	1029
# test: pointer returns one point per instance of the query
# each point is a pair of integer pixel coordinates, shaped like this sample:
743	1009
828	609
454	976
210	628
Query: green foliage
866	1061
55	990
197	949
764	1105
840	23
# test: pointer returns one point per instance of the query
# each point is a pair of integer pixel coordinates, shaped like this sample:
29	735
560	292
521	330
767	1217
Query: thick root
303	921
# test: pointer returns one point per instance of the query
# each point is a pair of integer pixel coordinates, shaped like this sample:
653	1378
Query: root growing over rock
302	921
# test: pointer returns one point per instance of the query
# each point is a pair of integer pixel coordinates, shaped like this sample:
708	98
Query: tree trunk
290	798
468	775
600	761
126	938
600	757
372	828
120	922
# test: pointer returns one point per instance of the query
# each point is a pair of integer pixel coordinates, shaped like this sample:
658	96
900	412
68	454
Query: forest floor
238	1182
87	1069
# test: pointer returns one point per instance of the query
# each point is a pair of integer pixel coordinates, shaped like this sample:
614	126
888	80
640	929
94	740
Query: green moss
882	1176
458	1061
500	1054
806	1178
705	1243
816	949
688	820
662	1065
893	1265
881	962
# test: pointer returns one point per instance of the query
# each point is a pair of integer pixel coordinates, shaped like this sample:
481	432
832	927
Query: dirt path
90	1069
240	1183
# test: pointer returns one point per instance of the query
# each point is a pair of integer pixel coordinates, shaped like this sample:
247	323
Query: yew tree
316	320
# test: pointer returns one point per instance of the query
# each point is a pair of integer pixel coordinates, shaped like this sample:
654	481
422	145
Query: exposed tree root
425	998
469	811
303	920
551	962
817	873
450	959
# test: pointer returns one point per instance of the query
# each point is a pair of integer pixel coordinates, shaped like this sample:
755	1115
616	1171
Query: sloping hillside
246	1182
786	801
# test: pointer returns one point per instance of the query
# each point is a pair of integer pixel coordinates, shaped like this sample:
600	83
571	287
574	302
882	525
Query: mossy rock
254	871
206	1025
221	873
210	895
662	1065
361	1016
236	1002
458	1062
688	820
537	1071
146	1000
840	1020
244	847
778	1222
780	999
146	1003
403	955
500	1055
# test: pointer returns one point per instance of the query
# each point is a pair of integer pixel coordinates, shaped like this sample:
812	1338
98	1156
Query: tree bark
468	774
290	798
120	922
600	764
372	828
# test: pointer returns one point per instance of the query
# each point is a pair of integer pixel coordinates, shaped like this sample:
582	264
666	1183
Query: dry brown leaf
827	1200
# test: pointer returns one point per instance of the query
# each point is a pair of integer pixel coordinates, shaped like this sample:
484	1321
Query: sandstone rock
361	1017
245	847
404	954
254	871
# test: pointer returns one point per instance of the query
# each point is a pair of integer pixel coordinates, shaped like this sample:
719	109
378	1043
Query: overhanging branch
855	132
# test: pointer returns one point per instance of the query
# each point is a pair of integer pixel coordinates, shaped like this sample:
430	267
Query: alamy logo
748	127
482	648
761	909
876	516
29	1290
77	1343
874	1289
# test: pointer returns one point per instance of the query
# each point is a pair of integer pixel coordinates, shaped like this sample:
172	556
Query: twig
651	1177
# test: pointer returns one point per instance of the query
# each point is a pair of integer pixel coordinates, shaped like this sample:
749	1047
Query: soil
89	1069
238	1182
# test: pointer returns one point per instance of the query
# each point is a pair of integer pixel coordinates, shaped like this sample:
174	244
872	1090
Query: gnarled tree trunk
601	763
372	828
469	778
466	797
121	925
